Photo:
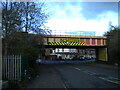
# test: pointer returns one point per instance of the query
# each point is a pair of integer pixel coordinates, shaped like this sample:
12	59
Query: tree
35	18
11	23
22	17
19	19
113	39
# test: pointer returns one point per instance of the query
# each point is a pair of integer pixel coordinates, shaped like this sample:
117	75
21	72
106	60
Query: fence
13	67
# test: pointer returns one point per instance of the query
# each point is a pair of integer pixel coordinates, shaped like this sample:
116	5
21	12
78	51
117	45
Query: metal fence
13	67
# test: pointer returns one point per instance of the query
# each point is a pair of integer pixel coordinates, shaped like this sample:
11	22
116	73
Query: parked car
87	58
82	58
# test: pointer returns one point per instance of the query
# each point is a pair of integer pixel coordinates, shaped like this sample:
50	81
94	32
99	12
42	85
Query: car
82	57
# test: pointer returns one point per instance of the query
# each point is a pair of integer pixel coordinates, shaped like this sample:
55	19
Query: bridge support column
78	53
102	54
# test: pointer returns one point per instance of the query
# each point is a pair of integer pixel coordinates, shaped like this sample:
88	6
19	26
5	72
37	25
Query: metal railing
11	67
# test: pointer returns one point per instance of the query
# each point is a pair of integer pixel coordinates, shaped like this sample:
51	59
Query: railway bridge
71	47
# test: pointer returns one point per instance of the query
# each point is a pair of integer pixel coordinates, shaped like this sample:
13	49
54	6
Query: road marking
67	84
116	80
90	73
107	79
78	69
64	86
113	78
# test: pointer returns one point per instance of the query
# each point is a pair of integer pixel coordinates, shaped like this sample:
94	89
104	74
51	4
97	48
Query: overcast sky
81	16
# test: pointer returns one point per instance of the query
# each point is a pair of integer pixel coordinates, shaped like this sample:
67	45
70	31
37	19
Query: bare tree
22	17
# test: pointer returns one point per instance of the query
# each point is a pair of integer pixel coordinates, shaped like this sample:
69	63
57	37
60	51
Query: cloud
67	17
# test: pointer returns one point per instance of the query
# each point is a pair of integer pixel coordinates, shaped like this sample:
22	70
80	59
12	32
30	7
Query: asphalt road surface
87	76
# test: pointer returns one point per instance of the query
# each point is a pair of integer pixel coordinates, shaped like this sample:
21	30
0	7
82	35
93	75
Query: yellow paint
102	54
65	43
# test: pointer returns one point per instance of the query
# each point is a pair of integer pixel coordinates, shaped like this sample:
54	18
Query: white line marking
113	78
116	82
90	73
64	86
78	69
106	79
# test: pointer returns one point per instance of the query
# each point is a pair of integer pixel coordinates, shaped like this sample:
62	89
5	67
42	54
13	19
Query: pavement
3	84
47	78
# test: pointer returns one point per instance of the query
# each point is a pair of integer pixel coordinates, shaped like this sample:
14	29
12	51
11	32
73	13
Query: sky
72	17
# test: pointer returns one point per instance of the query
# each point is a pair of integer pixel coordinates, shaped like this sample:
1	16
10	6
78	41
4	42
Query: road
87	76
